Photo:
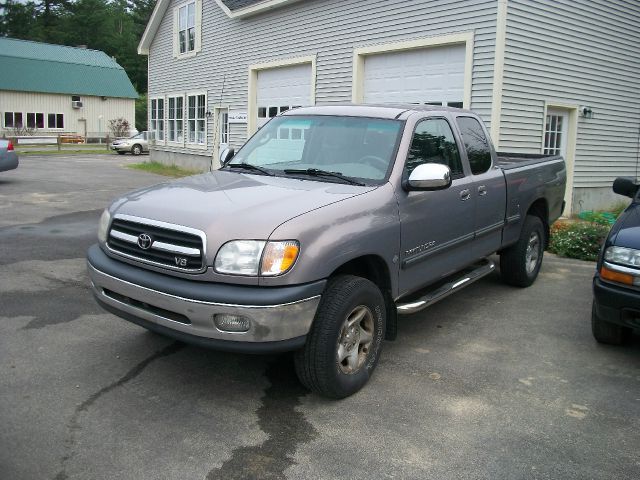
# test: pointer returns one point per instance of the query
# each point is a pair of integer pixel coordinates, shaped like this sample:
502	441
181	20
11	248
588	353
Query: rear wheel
607	332
520	263
344	344
136	149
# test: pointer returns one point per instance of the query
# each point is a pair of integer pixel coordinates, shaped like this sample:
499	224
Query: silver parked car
8	156
136	144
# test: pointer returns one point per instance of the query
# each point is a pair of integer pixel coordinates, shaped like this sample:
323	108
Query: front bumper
121	148
616	304
183	309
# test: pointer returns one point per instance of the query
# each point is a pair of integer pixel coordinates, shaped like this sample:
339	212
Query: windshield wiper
314	172
248	166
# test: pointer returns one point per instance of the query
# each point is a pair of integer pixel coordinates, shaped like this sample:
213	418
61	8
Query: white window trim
198	30
188	144
36	119
359	55
252	100
164	119
184	119
47	120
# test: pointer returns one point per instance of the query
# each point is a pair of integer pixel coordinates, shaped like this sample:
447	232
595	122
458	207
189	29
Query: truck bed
508	161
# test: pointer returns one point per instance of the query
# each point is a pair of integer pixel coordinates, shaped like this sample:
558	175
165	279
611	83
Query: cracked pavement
493	382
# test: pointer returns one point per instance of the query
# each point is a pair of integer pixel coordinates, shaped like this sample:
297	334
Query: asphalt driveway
494	382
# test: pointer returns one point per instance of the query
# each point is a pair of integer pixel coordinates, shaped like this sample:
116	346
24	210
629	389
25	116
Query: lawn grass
161	169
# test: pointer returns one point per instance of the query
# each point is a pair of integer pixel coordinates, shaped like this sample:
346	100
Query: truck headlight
103	226
253	257
617	263
624	256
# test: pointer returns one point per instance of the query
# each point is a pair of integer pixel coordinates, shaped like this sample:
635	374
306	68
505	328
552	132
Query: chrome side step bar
481	270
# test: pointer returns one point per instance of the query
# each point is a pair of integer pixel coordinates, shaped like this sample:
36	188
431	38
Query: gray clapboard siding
578	52
329	29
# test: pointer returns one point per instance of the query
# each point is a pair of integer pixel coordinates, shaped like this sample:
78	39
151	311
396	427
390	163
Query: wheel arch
375	269
540	209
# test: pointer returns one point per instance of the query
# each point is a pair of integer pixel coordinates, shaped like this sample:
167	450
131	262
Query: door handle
465	194
482	190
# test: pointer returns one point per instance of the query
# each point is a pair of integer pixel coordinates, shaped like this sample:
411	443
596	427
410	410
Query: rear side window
476	143
433	142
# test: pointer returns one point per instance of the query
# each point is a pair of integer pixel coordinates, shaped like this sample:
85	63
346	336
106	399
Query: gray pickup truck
327	224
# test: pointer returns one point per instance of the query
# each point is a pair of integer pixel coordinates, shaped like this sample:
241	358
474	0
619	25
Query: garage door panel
416	76
279	89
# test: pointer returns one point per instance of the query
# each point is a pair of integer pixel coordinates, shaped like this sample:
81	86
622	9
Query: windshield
140	136
356	147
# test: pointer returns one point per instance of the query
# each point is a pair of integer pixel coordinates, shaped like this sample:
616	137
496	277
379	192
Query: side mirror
626	186
226	155
429	176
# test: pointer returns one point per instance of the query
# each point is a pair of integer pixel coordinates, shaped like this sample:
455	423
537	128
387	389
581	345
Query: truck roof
387	111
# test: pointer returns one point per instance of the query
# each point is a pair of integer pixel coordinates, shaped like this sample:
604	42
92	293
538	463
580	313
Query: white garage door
430	75
280	89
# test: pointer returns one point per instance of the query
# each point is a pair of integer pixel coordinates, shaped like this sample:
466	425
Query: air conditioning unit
76	104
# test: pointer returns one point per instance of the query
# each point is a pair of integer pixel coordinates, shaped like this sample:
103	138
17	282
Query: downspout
498	72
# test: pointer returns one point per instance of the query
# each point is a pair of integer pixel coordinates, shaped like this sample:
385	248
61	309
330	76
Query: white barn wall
92	109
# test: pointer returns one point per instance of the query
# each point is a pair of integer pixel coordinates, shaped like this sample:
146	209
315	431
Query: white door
555	132
280	89
223	129
424	76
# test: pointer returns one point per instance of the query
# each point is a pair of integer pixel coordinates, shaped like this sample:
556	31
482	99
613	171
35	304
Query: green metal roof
41	67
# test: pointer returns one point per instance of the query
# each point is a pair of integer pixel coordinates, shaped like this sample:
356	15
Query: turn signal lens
613	276
279	257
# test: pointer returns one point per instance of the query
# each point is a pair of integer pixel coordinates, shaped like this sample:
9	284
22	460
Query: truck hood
231	205
626	231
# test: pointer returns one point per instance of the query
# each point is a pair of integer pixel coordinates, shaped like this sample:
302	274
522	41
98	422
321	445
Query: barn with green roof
53	89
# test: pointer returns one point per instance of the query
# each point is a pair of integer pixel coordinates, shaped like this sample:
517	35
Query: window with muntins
196	119
553	135
35	120
476	144
55	120
175	119
433	142
157	118
187	28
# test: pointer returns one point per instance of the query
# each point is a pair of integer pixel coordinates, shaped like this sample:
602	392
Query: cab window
476	144
433	142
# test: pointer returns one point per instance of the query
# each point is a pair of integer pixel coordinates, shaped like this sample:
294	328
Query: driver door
437	227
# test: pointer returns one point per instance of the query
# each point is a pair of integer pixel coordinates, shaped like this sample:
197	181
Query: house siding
92	109
329	30
575	52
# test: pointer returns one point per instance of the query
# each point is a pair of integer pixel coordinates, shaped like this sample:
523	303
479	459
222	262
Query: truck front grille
157	243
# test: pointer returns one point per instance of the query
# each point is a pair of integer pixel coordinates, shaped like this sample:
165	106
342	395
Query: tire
121	153
607	332
337	361
520	263
136	149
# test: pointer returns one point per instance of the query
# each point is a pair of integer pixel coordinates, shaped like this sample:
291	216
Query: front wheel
520	263
344	344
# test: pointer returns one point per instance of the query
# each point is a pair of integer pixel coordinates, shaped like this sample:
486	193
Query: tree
119	127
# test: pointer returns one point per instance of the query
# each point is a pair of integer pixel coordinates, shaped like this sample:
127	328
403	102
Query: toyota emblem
144	241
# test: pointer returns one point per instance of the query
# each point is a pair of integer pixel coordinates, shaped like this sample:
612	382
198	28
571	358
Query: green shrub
579	240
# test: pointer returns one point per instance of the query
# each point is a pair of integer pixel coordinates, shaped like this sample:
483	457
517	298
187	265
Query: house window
224	128
35	120
553	131
13	120
196	123
187	28
55	120
157	118
175	119
75	98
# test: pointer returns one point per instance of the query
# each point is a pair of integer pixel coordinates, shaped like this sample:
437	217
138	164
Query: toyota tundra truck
328	224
